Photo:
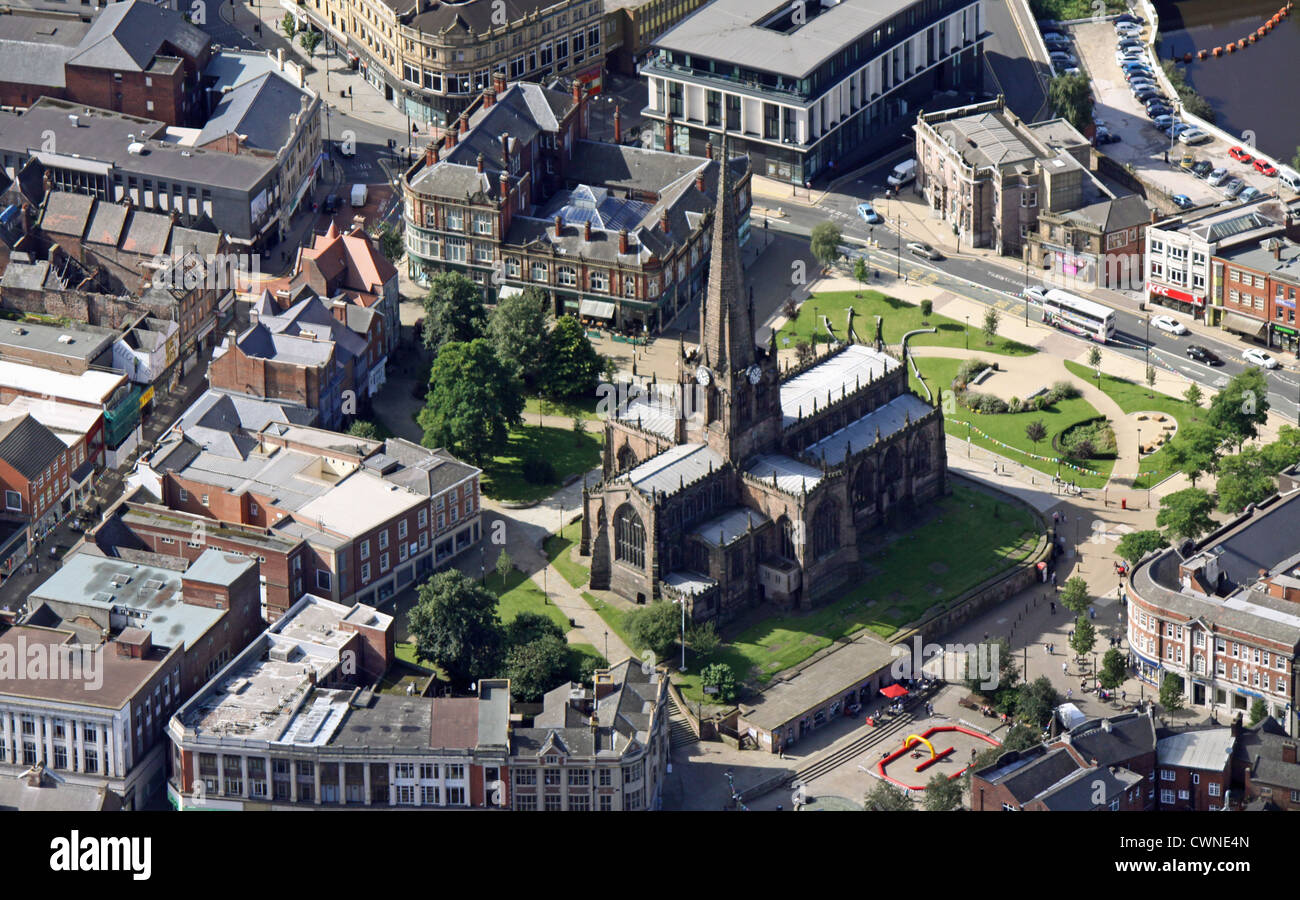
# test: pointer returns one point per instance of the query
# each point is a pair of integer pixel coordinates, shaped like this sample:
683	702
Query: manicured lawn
970	537
577	652
1009	428
612	616
584	407
559	552
1134	398
899	317
519	594
568	451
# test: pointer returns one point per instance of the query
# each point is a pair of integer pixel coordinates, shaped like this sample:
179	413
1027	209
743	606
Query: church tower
737	381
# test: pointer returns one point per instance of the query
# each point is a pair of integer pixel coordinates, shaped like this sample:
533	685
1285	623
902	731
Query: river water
1253	89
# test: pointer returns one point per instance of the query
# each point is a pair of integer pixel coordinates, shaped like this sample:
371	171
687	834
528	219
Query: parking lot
1141	143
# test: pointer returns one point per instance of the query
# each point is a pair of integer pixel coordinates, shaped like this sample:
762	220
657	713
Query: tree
1085	636
473	401
573	367
528	627
826	243
1007	673
884	797
927	309
537	667
1258	712
518	329
1195	450
720	676
1171	692
504	566
289	25
1020	737
1151	377
804	352
1075	596
363	429
1185	514
1193	394
1036	431
1071	98
860	271
1285	451
703	639
1240	408
455	625
1094	360
390	243
1114	669
453	311
1137	544
1244	479
990	325
309	40
656	627
1036	701
942	794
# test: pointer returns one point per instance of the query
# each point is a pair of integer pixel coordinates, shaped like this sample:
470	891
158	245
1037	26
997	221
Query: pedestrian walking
1122	695
1065	668
1053	602
1069	693
1053	578
1071	635
1092	612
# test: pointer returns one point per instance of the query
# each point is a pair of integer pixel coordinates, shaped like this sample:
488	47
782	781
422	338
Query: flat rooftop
357	504
734	31
95	676
67	420
148	516
79	342
91	387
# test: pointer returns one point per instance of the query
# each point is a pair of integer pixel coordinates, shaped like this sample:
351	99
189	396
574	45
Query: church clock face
755	374
703	376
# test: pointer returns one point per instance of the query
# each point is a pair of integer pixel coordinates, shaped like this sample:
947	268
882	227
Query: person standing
1053	602
1065	668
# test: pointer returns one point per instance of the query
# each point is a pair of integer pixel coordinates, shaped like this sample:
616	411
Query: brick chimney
1277	249
481	162
618	126
463	125
1155	217
577	91
489	98
339	309
450	138
431	155
504	183
586	230
663	223
668	135
559	226
499	83
622	241
699	181
1288	753
708	149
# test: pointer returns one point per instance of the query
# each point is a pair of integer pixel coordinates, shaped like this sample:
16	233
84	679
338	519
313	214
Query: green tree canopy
1071	98
1137	544
573	367
1285	451
453	311
720	676
518	329
1036	701
703	639
1185	514
537	667
1246	478
860	270
363	429
1171	692
309	40
530	626
390	243
1193	394
1258	711
473	402
1195	450
1114	669
1239	409
990	325
289	25
826	242
942	794
455	625
884	797
1075	595
1036	431
1085	636
656	627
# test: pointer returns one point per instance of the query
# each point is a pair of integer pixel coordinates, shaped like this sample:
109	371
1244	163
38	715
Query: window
606	803
525	776
554	803
383	539
422	519
1196	778
14	500
566	276
600	281
383	562
364	550
1167	797
603	778
185	495
579	777
365	573
526	802
455	796
629	537
429	795
322	579
552	776
1213	788
1166	774
401	529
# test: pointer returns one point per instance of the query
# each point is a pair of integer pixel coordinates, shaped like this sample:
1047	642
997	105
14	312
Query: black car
1203	355
1130	18
1156	110
332	203
1202	168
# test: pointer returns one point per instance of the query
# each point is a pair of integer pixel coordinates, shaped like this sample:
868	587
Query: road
1000	287
1009	65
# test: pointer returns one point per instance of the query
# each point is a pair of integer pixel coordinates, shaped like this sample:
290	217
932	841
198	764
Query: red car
1264	167
1240	155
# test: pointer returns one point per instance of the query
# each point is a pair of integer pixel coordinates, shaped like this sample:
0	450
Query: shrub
538	470
968	370
1039	403
791	310
927	307
985	403
1063	390
1015	405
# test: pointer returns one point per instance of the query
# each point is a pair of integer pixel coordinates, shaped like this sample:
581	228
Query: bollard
1123	503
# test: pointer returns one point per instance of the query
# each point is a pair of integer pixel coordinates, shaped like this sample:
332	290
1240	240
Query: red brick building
1258	291
1265	765
350	264
1195	769
34	473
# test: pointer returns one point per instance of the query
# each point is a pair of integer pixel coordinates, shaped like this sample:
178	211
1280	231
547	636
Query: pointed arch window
629	537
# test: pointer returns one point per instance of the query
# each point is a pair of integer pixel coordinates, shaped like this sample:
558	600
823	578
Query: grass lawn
519	594
1134	398
558	547
900	317
969	537
578	652
1009	428
612	616
582	406
568	451
406	671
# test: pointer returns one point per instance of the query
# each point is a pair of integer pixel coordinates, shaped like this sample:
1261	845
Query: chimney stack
668	135
450	138
1277	249
463	126
618	126
586	231
505	185
499	83
481	162
699	181
559	226
663	223
1288	753
577	91
622	241
431	155
489	98
708	149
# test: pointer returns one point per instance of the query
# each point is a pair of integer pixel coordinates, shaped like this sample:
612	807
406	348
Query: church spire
726	319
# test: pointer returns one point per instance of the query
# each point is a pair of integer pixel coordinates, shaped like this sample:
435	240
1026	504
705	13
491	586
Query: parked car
1187	162
1194	136
1217	177
1232	187
1182	201
1257	357
1068	70
1129	18
920	248
1137	73
1250	193
1036	294
1164	123
1240	155
1169	324
1054	37
1129	56
1106	137
332	204
1138	82
1148	94
1062	56
869	214
1178	128
1202	168
1264	167
1203	355
1155	110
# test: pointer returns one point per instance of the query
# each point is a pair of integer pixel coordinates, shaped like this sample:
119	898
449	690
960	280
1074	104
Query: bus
1080	316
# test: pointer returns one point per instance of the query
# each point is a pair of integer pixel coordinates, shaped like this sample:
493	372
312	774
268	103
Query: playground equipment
913	741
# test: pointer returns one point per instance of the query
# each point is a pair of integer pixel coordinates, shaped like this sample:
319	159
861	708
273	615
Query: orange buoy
1251	39
1260	32
1200	54
1241	43
1268	26
1230	47
1218	51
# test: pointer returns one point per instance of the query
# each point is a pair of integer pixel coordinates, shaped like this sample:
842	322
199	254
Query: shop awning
1245	325
597	309
894	691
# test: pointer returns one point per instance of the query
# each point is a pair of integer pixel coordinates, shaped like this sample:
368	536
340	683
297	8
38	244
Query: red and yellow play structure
912	741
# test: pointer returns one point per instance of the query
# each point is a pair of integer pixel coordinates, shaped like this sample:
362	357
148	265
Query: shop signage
1174	294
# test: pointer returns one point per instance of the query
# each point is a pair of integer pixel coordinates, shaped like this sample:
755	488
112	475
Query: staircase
679	730
883	734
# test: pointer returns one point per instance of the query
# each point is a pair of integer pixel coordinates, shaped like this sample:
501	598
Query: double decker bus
1075	314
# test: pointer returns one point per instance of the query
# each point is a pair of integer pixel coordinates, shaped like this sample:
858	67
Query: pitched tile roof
28	446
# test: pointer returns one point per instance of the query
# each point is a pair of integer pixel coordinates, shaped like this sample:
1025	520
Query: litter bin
1123	503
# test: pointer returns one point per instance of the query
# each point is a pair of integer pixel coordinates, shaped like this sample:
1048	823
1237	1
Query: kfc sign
1174	294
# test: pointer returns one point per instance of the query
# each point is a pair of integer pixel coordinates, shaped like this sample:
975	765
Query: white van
903	173
1290	177
359	194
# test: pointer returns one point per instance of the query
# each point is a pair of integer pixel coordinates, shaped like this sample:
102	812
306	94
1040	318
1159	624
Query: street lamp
607	647
967	332
1148	341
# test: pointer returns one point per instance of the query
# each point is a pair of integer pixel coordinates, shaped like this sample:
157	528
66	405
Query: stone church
741	483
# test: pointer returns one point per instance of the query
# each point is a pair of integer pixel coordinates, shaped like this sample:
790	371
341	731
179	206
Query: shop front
1284	338
1147	669
1182	301
1246	326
